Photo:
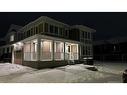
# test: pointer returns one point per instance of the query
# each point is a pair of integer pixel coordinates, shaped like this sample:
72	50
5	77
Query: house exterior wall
41	61
50	29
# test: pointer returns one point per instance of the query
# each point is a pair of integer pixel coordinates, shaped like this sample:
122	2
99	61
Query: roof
111	41
48	18
84	28
15	27
45	19
118	40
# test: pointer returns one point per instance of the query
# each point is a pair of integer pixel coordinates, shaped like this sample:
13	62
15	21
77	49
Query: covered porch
46	51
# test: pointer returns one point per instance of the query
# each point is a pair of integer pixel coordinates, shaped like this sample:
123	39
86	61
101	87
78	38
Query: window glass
46	27
30	50
61	31
34	50
66	33
40	28
27	54
58	50
11	38
51	29
56	30
36	30
46	50
32	32
86	35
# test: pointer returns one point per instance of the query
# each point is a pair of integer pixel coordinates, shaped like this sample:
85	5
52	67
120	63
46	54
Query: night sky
107	25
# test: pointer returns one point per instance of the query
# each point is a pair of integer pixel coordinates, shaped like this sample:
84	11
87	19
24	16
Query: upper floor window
40	28
66	33
28	33
56	30
51	29
11	38
32	32
46	27
83	34
61	31
36	30
88	35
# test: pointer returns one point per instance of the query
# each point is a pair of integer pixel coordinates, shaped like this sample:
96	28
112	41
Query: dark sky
107	25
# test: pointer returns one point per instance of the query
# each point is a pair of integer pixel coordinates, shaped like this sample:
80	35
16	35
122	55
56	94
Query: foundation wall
44	64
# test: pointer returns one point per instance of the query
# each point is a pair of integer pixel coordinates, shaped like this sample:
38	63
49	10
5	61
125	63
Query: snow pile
50	76
65	74
73	68
8	68
81	74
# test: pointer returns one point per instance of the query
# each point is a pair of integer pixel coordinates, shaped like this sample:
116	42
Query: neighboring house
111	50
46	42
6	46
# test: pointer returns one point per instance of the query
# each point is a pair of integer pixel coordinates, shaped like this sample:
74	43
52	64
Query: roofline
44	18
82	27
50	37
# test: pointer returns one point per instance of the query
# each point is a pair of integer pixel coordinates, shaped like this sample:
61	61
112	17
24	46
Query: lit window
30	50
59	50
46	50
11	38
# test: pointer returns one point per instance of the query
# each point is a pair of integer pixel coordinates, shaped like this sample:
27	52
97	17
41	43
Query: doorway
71	51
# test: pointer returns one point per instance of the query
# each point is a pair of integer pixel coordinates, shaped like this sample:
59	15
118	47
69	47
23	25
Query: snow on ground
66	74
110	67
7	69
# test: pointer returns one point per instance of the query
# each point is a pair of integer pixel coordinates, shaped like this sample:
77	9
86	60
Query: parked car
125	76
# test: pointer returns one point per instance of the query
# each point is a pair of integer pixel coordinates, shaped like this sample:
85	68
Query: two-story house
46	42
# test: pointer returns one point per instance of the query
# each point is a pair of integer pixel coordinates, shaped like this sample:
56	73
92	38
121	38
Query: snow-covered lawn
109	67
7	69
65	74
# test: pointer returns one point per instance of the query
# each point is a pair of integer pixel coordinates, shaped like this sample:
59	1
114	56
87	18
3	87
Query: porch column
13	55
53	50
38	48
78	51
64	51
